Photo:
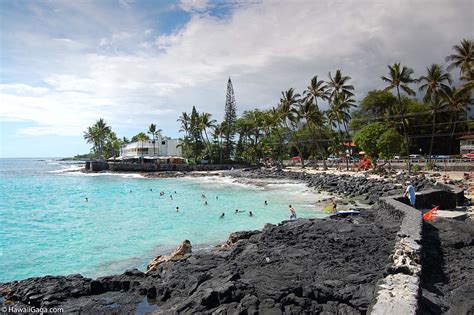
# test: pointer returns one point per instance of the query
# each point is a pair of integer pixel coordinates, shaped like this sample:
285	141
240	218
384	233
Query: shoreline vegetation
257	270
391	120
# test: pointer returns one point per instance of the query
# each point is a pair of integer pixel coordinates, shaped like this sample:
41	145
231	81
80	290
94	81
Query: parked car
468	156
440	157
397	157
415	157
334	159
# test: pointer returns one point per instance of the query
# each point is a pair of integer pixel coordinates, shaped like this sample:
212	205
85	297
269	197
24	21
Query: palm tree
142	137
457	102
314	118
399	78
218	132
205	122
338	84
316	89
289	117
185	123
463	58
97	135
155	133
339	111
434	83
438	103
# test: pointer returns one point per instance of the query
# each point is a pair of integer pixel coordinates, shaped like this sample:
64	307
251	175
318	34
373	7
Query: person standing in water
177	209
222	215
334	206
87	199
292	212
266	203
250	214
410	193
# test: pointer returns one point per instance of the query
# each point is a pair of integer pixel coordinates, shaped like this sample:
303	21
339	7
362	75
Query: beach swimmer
171	197
239	211
266	203
87	199
177	209
292	212
130	191
222	215
203	196
250	214
205	203
410	194
217	197
151	189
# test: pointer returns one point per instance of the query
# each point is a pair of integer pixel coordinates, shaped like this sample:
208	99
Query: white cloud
20	88
132	79
194	5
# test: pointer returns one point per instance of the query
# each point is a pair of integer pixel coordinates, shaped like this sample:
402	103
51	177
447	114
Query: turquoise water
47	227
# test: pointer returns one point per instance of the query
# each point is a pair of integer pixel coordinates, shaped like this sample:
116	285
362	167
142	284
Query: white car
415	157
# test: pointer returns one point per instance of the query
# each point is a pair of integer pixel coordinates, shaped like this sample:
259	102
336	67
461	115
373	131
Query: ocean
48	228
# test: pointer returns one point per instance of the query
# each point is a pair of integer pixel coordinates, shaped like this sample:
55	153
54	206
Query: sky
65	64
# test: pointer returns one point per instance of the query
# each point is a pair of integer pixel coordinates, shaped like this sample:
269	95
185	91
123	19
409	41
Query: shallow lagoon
47	227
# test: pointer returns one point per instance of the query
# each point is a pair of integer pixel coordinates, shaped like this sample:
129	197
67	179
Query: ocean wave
224	180
77	173
67	169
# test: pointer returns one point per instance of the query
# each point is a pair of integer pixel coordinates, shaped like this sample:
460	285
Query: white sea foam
226	181
67	169
75	171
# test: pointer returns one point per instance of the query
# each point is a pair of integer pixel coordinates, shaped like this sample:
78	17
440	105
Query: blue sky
64	64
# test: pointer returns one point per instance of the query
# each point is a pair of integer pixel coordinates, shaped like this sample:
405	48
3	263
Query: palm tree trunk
208	146
405	133
432	136
452	132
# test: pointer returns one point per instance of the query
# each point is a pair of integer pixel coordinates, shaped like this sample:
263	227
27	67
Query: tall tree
195	131
288	111
339	84
230	118
97	135
463	58
155	133
400	78
435	84
316	89
205	122
314	119
142	137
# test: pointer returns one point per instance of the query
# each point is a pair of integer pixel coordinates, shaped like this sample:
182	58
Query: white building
163	146
466	144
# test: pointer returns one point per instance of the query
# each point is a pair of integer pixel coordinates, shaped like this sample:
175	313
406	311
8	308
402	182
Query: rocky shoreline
304	266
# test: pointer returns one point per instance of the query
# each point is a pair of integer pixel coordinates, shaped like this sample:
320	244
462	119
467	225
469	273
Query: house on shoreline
158	149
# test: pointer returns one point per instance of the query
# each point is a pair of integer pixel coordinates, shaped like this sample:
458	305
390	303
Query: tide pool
47	227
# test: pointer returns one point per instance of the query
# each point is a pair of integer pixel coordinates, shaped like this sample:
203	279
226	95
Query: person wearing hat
410	193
